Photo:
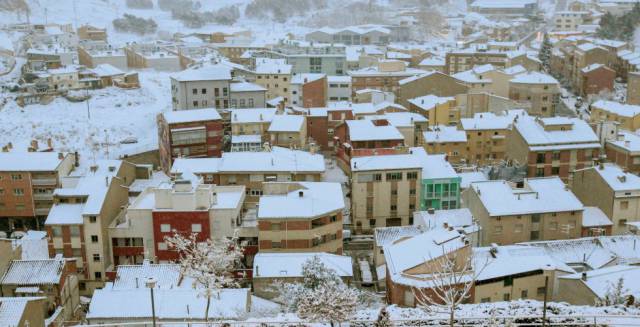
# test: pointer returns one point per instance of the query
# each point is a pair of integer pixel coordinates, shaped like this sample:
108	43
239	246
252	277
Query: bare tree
451	281
210	264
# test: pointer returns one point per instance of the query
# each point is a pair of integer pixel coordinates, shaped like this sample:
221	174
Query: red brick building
596	78
624	151
309	90
167	223
357	138
189	133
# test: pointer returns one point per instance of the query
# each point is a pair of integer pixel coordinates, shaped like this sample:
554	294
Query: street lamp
151	284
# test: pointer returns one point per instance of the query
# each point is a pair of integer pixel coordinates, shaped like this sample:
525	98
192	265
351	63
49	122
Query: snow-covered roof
469	177
246	87
130	277
34	272
385	162
594	217
277	160
627	140
171	304
65	214
306	78
274	265
107	70
375	71
620	109
513	259
430	101
539	195
206	73
235	139
534	78
433	61
311	200
507	4
603	280
399	119
338	79
618	179
366	130
456	218
588	250
188	116
34	245
272	66
286	123
253	115
356	29
513	70
410	252
562	131
592	67
387	235
12	309
434	166
444	134
29	161
415	77
489	121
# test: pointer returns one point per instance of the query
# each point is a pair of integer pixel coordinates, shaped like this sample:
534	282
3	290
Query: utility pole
88	112
544	303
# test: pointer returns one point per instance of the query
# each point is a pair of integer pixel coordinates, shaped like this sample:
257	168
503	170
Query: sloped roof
270	265
34	272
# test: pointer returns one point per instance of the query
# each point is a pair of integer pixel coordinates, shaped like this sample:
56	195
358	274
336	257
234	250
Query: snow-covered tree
616	294
545	53
383	319
321	296
452	279
210	264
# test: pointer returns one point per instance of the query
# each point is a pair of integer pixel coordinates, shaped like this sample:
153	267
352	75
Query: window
75	230
497	230
508	281
98	275
56	231
196	228
165	228
622	222
556	155
194	91
333	219
94	238
412	175
518	228
393	207
276	245
275	226
203	91
96	257
555	170
16	177
372	222
92	219
76	253
535	218
195	103
506	297
394	192
18	191
394	176
540	291
624	205
553	225
412	191
524	294
162	246
540	172
540	158
485	300
1	191
535	235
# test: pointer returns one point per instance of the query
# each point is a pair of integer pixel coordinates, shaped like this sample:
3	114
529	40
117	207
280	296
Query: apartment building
25	311
431	83
448	140
151	55
569	20
275	76
461	60
189	133
309	90
437	110
412	264
596	78
289	131
505	8
385	191
338	88
92	54
300	217
624	151
184	205
252	122
384	76
88	202
618	193
252	169
247	95
409	124
633	88
27	184
88	32
364	138
359	35
487	136
201	87
440	184
552	146
584	55
541	209
541	92
627	116
51	279
313	58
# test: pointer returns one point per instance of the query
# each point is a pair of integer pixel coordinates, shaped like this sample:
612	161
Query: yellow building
627	115
437	110
486	136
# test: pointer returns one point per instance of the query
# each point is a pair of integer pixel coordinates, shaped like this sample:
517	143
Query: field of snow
115	115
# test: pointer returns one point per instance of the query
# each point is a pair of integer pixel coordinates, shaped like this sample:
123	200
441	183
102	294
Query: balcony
42	211
44	182
43	196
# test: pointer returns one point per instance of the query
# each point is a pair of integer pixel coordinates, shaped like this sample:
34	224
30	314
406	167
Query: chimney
9	145
300	194
34	144
584	276
431	211
60	155
50	143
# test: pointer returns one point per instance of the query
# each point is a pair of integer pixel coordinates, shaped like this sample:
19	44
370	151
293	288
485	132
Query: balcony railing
44	181
43	196
42	211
